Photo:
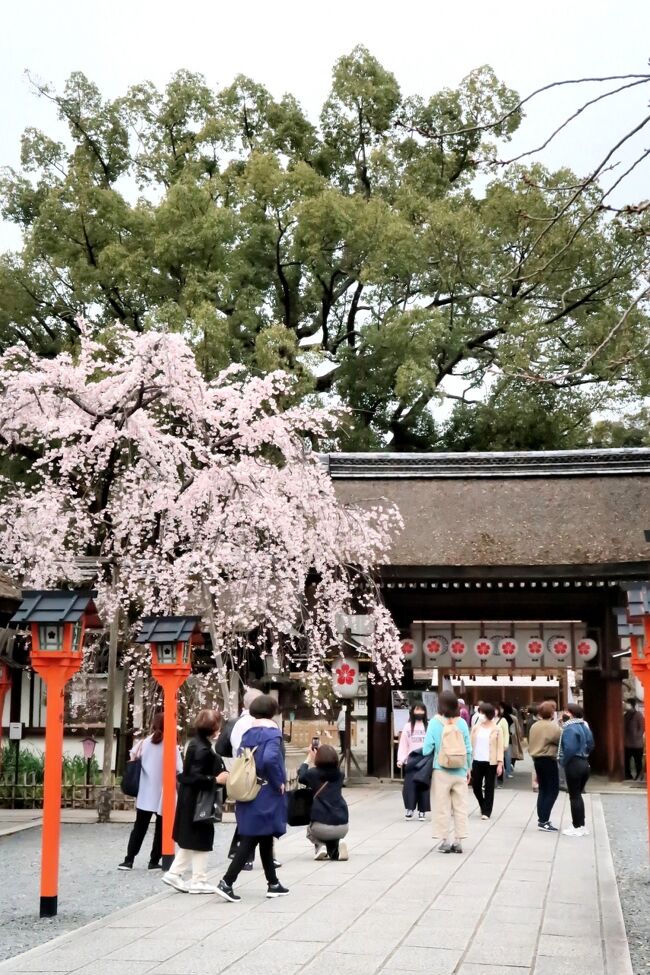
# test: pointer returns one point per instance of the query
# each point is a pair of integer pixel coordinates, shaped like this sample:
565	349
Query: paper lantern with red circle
434	647
458	648
345	677
483	648
535	648
560	646
508	648
586	650
409	648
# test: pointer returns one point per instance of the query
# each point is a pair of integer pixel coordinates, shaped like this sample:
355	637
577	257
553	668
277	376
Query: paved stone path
518	901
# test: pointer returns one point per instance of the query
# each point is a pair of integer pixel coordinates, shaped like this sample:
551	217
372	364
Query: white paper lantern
535	648
508	648
483	648
586	650
435	646
458	648
560	646
345	677
409	648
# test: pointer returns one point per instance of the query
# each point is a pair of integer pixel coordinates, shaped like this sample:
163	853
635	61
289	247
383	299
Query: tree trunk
105	800
229	703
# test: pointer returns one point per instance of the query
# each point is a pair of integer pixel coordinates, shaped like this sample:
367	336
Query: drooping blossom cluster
194	497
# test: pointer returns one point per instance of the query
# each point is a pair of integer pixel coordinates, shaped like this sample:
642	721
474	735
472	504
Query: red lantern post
57	620
170	640
5	687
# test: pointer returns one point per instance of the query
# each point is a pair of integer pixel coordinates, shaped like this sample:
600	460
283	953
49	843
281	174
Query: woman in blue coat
265	816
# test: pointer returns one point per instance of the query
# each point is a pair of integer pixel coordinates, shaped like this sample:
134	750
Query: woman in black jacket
329	812
202	769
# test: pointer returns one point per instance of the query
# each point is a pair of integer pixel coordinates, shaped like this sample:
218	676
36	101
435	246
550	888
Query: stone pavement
518	901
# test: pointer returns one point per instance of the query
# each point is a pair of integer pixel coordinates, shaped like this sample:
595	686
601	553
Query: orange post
641	670
5	687
55	670
170	677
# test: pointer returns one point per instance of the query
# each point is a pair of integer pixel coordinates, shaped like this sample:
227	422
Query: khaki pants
449	804
196	859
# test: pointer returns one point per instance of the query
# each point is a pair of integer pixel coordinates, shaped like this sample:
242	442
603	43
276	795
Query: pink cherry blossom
194	497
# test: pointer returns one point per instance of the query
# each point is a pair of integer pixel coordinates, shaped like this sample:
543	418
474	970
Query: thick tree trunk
105	800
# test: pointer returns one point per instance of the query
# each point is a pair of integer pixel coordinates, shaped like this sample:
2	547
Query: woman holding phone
329	811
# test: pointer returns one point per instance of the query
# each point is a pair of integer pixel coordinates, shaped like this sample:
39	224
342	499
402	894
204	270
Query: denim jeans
507	760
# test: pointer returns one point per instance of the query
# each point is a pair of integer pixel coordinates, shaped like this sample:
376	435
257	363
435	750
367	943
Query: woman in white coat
148	802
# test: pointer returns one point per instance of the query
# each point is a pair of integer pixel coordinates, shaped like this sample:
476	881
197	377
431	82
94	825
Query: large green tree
381	255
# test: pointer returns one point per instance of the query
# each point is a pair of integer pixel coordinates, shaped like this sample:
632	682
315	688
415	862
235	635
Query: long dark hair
412	719
157	728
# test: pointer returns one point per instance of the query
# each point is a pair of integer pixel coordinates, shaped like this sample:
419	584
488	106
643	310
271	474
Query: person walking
448	739
543	742
239	729
415	793
462	710
202	769
329	811
148	802
487	751
576	745
634	731
340	727
531	718
265	816
502	722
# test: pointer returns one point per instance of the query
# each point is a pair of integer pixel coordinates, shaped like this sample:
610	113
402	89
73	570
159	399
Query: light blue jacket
432	744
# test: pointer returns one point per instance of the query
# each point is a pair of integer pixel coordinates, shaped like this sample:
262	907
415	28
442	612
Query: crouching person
329	824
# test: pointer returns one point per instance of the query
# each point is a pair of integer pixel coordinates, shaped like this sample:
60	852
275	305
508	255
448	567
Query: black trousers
636	755
548	780
416	795
577	774
484	777
234	846
138	833
246	852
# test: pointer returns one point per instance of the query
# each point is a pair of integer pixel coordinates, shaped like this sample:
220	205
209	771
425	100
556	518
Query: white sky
291	46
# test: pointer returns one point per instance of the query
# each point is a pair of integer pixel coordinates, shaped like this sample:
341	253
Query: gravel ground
627	825
90	886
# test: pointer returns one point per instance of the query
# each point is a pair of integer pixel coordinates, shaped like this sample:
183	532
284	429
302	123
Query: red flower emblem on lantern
458	648
435	646
408	648
587	649
508	648
559	646
483	648
535	648
345	674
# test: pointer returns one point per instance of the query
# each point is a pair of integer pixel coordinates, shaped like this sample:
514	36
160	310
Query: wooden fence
26	792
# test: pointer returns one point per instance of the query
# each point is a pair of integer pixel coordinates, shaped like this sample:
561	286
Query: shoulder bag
209	805
131	779
299	805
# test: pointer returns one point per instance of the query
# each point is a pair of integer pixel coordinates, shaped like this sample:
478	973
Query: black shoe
248	865
225	890
277	890
152	865
277	864
126	865
547	827
456	848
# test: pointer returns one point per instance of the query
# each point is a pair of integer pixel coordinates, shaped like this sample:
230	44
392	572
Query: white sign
15	730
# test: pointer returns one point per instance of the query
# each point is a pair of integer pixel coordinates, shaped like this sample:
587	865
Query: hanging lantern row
505	647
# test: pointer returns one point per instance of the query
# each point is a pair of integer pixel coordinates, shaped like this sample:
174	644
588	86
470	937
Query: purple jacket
266	815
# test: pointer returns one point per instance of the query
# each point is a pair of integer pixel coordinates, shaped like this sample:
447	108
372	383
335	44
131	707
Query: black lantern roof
167	629
54	606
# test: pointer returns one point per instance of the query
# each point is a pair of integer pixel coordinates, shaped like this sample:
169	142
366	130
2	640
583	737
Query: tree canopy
381	254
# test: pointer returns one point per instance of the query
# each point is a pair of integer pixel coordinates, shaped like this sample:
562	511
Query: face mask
419	717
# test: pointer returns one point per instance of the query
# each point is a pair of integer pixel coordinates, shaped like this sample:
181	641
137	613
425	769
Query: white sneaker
173	880
573	831
321	854
200	887
343	851
408	814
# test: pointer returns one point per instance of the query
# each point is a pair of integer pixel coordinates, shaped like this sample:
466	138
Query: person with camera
329	811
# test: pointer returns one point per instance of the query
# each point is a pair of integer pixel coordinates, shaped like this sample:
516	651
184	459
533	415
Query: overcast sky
291	46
